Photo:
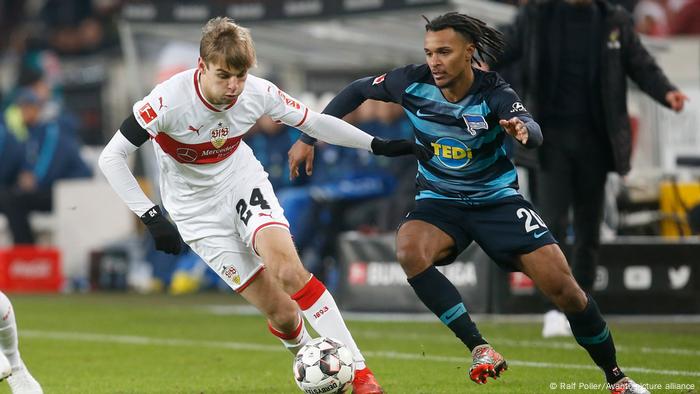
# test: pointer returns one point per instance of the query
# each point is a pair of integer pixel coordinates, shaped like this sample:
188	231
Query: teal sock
593	334
443	299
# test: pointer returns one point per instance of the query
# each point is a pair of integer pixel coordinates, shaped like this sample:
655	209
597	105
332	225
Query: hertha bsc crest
219	135
475	123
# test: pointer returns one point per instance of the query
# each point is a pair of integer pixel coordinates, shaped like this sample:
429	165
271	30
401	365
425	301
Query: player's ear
471	48
201	66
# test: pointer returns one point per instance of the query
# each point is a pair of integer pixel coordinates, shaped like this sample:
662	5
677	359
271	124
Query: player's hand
164	233
392	148
299	153
676	99
515	127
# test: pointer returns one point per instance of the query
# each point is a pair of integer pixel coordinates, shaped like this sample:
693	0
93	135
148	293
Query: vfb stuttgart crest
219	135
231	273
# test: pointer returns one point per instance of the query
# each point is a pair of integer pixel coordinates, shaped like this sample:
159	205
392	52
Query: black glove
394	148
164	233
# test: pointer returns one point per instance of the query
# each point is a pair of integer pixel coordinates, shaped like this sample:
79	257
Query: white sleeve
150	112
335	131
284	108
290	111
113	164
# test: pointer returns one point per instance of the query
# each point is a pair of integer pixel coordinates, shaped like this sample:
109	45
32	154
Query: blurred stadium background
109	294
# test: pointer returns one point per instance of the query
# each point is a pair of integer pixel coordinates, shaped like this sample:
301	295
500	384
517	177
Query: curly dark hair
488	41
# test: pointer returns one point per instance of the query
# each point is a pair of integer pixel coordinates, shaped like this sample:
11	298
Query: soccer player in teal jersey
468	191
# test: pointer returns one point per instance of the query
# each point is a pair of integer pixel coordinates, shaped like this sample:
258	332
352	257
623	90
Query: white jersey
198	145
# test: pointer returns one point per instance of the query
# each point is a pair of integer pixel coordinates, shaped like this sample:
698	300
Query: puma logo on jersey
7	315
160	100
196	130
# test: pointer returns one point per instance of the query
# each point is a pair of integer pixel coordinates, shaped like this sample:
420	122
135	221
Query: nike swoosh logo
537	235
423	115
452	314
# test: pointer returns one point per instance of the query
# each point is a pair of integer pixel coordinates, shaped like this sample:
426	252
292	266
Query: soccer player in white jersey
217	192
11	365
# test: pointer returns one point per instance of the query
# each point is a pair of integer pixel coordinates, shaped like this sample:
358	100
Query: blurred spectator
11	15
575	85
325	204
687	20
626	4
270	142
651	18
78	27
384	214
50	154
10	157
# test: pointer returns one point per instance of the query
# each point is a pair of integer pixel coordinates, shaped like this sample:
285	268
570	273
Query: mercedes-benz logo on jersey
475	123
219	135
187	154
451	152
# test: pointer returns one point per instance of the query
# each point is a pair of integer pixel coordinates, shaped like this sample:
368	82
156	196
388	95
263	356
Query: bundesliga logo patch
475	123
147	113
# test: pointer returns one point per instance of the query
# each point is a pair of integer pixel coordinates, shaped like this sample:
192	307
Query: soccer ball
324	365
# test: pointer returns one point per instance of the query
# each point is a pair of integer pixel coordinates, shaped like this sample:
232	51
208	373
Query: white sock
323	314
8	332
292	341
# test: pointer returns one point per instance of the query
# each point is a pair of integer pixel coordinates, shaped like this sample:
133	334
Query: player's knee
569	297
412	260
291	274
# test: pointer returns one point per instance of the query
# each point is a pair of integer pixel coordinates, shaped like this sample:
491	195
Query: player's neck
459	88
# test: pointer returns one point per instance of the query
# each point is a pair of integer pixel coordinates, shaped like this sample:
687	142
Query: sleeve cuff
307	139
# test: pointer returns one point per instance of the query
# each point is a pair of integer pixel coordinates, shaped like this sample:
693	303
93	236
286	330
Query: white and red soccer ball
324	365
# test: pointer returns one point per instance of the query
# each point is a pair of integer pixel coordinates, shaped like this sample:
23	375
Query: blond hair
225	42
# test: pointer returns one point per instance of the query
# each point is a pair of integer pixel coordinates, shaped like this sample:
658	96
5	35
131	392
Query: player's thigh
230	258
509	229
430	234
254	206
275	247
548	269
422	240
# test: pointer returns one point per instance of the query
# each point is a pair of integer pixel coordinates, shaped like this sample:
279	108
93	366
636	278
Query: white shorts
224	236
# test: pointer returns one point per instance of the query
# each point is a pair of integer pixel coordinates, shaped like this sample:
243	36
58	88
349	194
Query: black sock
443	299
592	333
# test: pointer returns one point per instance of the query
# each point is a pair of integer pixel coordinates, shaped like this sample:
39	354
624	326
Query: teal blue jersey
470	163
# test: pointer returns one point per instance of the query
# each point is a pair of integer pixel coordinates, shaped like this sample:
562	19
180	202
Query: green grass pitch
120	343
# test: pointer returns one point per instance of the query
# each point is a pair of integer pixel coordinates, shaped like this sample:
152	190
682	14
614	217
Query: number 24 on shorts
256	198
